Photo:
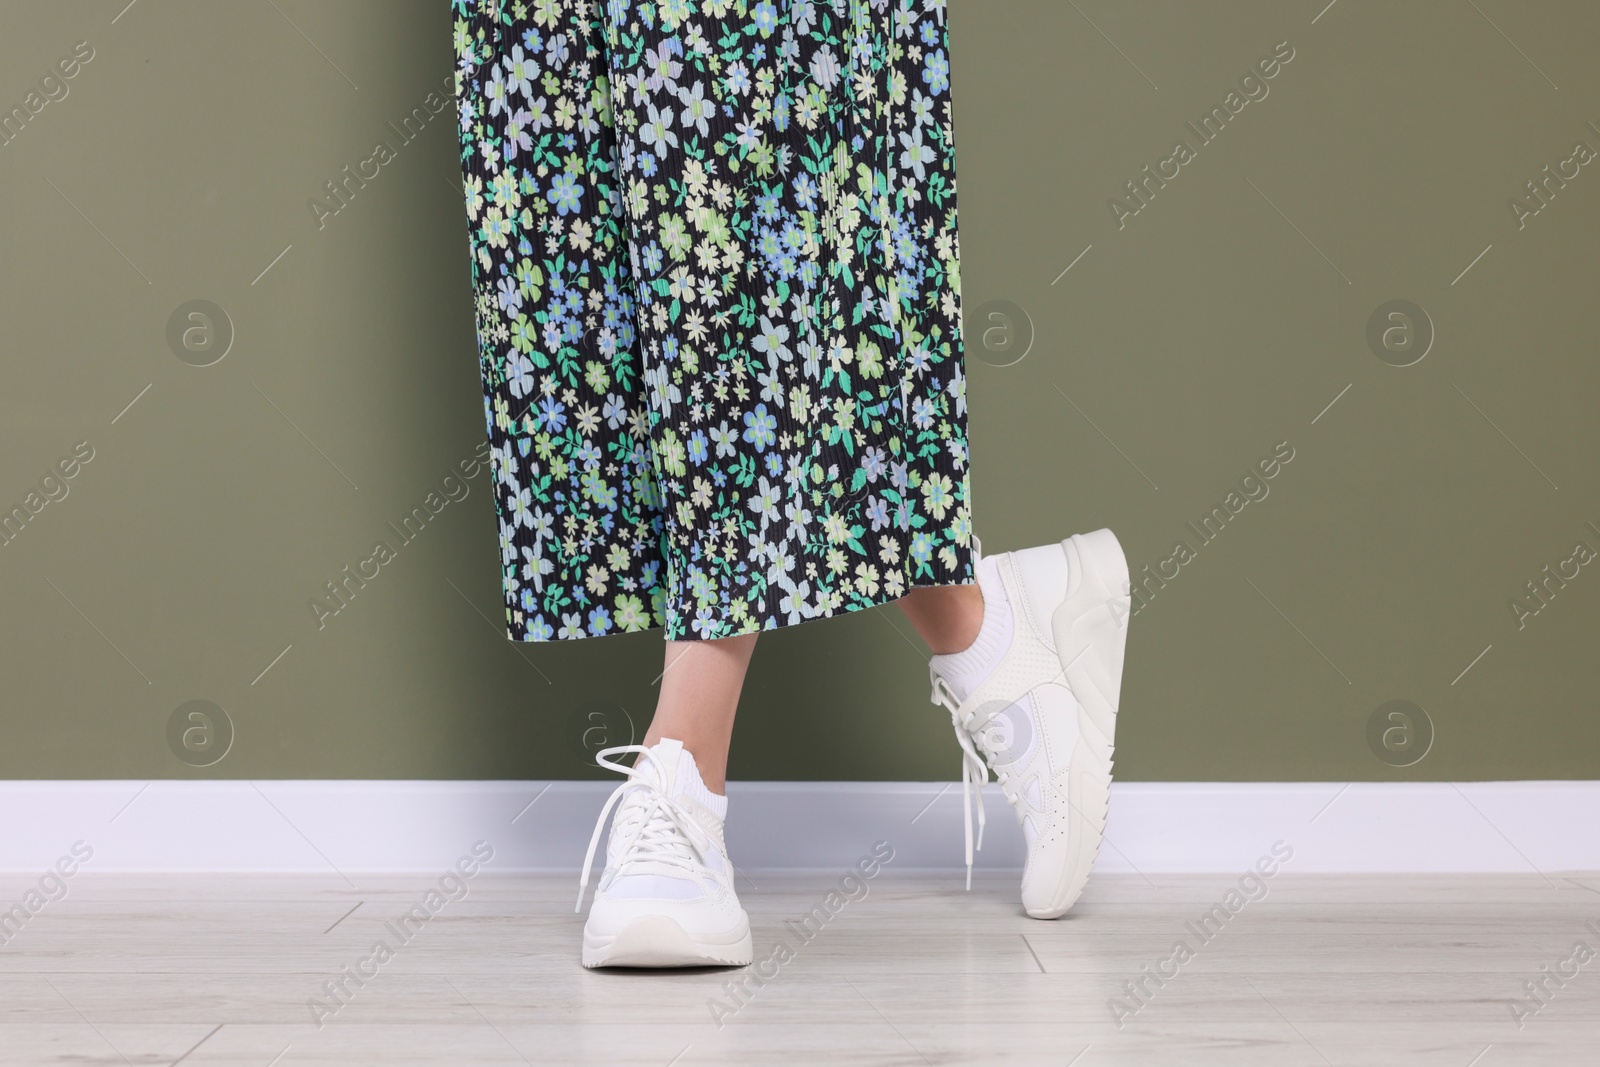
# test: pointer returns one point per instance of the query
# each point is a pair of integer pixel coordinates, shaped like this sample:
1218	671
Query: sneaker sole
658	941
1090	644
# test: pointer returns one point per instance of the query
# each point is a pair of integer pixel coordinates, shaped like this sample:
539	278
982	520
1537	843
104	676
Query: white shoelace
974	736
974	771
663	831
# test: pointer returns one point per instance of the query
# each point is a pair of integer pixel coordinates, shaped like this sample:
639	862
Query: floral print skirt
715	266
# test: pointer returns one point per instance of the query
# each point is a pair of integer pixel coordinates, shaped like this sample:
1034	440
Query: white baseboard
323	826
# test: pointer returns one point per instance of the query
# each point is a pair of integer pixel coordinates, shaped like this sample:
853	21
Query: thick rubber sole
1091	634
658	941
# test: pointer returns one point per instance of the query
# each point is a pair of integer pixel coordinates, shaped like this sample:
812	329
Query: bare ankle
948	617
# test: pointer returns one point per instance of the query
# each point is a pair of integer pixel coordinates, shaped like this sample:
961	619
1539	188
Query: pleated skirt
717	292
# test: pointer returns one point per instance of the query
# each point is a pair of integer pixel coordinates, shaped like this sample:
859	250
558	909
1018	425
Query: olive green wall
1135	390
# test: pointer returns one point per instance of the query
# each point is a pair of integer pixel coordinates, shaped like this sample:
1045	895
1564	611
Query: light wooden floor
1336	970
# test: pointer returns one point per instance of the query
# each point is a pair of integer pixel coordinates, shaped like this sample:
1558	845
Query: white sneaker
1045	716
666	896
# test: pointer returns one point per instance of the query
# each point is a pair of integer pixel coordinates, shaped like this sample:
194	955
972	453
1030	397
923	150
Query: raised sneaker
665	898
1035	700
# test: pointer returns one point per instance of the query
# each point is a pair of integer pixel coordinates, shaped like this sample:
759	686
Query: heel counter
1038	582
1100	557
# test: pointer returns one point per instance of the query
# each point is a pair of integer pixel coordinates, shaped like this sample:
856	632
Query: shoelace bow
663	831
974	769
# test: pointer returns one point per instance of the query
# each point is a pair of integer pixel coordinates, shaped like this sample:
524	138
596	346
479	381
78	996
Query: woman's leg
667	896
702	679
947	616
699	696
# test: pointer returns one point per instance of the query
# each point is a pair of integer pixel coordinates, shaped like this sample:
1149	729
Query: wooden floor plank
1378	969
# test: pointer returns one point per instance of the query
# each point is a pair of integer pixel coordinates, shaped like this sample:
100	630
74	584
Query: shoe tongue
664	755
665	768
